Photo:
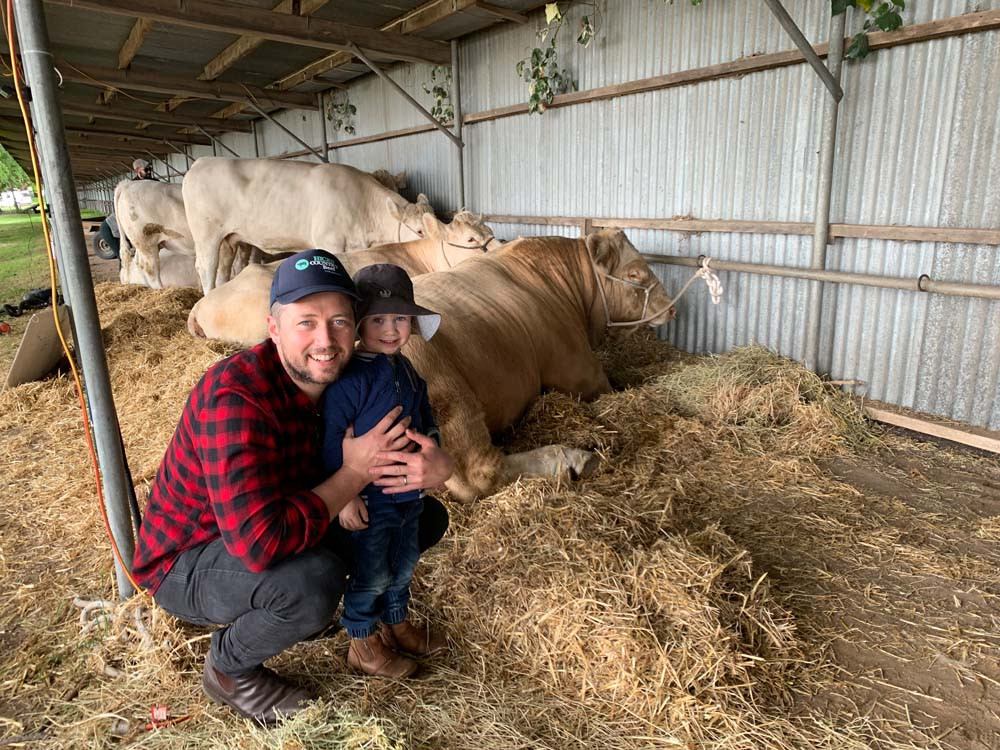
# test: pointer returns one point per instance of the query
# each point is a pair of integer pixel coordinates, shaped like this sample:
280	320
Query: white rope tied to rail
711	280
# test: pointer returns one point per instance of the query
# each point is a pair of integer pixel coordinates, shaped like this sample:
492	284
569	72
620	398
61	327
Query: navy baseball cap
309	272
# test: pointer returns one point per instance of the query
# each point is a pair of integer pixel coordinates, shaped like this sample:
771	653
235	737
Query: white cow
289	205
237	310
151	217
176	269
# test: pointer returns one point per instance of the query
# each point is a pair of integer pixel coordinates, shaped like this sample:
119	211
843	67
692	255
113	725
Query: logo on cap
301	265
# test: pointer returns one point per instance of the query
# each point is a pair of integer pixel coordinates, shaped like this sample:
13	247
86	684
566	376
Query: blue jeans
385	555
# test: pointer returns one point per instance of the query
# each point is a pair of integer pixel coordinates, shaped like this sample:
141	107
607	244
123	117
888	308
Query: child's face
385	334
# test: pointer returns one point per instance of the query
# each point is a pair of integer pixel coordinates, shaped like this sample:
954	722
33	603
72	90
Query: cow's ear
422	199
603	248
433	228
400	179
394	211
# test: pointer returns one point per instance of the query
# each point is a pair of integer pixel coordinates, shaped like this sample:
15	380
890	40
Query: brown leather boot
417	640
260	695
371	656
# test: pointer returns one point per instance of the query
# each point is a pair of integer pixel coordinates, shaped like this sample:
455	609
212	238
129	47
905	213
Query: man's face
315	338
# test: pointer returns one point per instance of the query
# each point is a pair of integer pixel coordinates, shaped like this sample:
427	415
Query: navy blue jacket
370	386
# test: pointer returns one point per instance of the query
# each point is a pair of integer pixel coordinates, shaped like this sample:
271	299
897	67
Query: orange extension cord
9	24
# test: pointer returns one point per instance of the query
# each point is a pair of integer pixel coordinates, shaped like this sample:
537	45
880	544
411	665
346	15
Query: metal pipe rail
922	283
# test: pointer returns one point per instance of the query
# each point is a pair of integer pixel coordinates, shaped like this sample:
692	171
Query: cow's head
468	230
409	217
634	295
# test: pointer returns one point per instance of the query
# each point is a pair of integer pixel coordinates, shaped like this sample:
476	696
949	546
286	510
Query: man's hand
354	515
361	453
426	468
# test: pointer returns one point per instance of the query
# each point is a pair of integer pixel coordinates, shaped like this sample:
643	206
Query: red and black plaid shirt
239	467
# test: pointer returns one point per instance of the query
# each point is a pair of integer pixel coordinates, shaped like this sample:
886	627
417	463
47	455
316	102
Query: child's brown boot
371	656
417	640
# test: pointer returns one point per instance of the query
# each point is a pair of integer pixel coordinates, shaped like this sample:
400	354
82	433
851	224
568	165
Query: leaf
889	21
552	12
859	48
866	4
839	6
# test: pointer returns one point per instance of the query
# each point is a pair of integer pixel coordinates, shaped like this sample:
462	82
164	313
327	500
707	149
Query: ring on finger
405	480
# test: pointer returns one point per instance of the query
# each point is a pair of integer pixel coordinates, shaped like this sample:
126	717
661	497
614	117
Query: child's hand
354	515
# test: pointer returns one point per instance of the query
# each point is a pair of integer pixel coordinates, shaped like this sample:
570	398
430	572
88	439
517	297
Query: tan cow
289	205
518	321
392	181
237	311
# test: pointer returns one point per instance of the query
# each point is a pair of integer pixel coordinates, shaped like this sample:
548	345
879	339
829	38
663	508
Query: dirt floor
910	611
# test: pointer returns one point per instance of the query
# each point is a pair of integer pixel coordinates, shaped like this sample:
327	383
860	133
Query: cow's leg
147	258
465	436
206	258
550	461
229	251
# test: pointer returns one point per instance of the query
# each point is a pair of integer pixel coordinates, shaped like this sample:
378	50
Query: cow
150	216
237	311
518	321
289	205
176	269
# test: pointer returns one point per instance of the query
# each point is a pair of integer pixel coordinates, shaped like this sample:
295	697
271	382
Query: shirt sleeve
261	519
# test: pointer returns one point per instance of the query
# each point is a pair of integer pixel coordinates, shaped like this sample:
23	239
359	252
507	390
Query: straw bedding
604	613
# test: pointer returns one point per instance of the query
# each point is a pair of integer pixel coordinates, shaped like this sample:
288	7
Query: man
238	527
142	170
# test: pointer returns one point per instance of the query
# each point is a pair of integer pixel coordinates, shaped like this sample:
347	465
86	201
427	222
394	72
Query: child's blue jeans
385	555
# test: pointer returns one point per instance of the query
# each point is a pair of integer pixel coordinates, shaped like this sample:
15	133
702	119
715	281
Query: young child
377	379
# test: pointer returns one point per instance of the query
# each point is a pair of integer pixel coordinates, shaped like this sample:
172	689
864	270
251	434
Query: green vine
884	16
340	112
440	88
545	79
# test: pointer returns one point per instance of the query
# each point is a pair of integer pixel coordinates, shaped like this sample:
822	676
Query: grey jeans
265	613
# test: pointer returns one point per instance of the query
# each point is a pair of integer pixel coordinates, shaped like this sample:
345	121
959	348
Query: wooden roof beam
243	47
278	27
130	114
127	53
165	84
415	20
504	13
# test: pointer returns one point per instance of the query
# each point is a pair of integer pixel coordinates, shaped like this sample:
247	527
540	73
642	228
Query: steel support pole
322	127
256	144
291	135
168	165
187	157
788	23
216	141
456	87
824	183
77	282
356	51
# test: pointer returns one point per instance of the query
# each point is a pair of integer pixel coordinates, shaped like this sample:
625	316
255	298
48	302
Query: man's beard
302	374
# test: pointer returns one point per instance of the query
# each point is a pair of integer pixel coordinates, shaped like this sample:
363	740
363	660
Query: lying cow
289	205
176	269
237	311
518	321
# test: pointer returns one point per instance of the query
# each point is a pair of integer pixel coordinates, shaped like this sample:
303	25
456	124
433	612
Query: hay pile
589	615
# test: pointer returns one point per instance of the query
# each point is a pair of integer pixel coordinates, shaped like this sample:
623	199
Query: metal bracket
402	92
803	44
291	135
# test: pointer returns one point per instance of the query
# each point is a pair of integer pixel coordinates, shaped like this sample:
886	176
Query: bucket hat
387	290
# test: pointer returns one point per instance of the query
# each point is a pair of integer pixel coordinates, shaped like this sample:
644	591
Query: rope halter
704	272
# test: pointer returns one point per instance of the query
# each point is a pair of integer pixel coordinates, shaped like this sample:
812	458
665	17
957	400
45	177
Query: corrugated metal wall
918	144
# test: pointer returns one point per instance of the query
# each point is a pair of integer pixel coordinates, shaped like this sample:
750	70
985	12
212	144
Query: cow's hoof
581	464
